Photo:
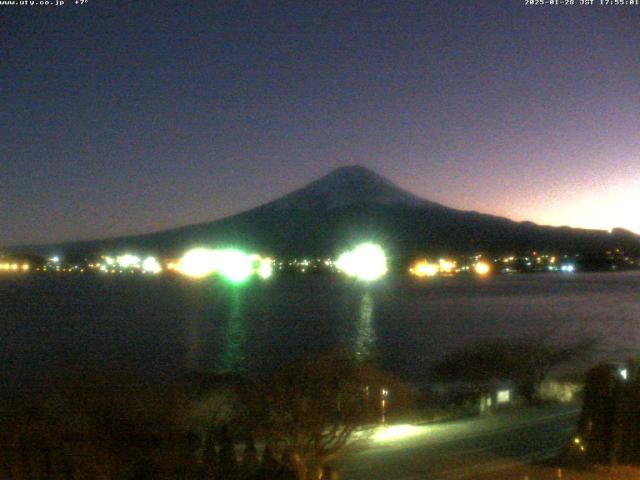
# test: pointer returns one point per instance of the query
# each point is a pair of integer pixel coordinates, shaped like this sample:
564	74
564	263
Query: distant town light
128	261
482	268
265	268
235	265
198	263
366	262
568	268
446	266
422	268
151	265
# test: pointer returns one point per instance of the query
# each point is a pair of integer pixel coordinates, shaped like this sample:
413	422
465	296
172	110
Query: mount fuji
353	204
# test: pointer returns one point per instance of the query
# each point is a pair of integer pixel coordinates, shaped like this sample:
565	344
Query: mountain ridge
351	204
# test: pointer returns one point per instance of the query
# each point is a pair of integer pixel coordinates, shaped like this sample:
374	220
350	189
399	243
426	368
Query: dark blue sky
127	117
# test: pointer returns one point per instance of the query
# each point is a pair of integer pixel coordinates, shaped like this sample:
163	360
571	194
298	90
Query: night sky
128	117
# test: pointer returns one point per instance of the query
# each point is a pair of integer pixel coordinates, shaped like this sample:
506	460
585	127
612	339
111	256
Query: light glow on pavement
385	434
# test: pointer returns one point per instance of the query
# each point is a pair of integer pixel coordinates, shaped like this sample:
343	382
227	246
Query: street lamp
384	394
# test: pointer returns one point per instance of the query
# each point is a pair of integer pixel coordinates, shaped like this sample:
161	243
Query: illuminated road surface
461	448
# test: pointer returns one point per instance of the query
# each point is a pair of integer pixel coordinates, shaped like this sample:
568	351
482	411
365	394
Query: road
458	449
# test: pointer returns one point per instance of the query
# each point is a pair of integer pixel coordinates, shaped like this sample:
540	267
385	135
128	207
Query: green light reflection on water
233	357
365	335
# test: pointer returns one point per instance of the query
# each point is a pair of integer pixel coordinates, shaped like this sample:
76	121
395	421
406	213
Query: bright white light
482	268
236	266
423	268
396	432
55	259
265	268
503	396
367	262
568	268
198	263
624	373
447	266
128	261
151	265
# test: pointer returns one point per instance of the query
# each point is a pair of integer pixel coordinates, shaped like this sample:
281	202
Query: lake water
160	326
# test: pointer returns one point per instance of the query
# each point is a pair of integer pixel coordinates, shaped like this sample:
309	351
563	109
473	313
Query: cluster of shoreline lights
233	265
130	262
365	262
14	267
425	268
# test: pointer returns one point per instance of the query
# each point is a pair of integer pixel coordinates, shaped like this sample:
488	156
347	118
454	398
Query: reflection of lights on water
233	357
365	334
482	268
366	262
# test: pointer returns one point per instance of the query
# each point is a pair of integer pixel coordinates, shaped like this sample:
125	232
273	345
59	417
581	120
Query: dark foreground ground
528	472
